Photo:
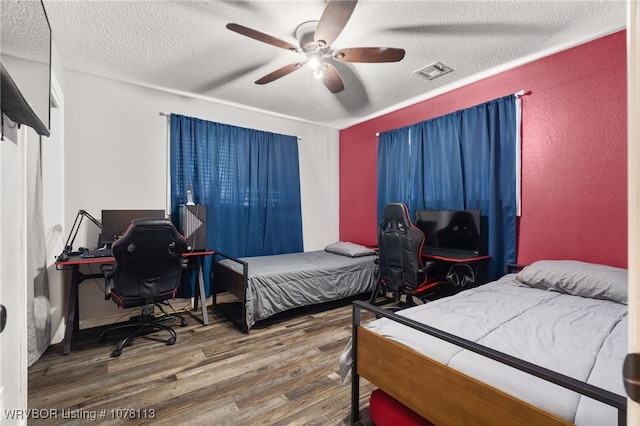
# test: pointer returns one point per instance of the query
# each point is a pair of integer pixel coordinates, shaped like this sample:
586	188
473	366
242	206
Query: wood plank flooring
284	372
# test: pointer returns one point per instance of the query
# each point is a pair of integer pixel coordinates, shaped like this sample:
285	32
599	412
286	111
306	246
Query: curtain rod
518	94
168	114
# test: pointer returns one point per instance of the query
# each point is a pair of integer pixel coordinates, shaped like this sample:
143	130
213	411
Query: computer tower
193	225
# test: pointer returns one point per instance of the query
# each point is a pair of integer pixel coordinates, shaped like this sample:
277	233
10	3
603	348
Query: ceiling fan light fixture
318	73
435	70
315	60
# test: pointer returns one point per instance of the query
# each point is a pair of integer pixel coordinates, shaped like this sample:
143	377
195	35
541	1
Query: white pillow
577	278
346	248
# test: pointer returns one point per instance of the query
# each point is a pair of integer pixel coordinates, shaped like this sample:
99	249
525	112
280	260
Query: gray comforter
581	337
281	282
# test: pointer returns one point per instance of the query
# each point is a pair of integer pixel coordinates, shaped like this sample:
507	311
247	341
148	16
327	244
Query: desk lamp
68	246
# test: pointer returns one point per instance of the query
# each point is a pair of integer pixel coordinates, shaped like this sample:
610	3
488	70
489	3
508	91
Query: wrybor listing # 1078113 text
78	414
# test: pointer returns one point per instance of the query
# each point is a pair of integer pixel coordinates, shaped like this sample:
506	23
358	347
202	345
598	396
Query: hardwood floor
284	372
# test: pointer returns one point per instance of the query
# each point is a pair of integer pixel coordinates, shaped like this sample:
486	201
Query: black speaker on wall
193	225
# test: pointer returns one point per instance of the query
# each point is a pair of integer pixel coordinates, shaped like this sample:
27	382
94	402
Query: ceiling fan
315	39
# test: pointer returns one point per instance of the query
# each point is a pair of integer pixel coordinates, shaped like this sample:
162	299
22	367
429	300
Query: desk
475	262
75	262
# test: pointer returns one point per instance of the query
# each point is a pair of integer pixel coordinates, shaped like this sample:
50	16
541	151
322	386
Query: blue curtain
488	138
249	181
463	160
439	183
394	167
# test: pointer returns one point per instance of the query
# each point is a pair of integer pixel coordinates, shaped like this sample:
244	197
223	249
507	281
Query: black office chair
402	271
147	272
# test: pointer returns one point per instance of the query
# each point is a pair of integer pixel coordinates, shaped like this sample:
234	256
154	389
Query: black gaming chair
148	271
402	271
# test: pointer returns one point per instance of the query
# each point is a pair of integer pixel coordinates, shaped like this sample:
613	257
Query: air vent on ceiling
434	70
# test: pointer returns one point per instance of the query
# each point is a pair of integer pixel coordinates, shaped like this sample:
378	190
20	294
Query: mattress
582	337
285	281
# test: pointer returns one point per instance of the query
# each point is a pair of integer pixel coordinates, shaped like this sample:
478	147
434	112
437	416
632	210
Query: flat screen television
117	221
456	230
25	59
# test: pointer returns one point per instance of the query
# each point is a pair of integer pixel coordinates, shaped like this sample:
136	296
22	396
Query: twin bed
267	285
524	349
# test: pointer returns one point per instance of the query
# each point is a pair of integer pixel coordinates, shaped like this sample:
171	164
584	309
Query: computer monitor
458	230
117	221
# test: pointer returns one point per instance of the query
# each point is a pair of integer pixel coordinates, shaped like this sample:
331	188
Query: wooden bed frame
443	395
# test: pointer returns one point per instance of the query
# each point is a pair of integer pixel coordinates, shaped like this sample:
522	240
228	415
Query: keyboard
95	253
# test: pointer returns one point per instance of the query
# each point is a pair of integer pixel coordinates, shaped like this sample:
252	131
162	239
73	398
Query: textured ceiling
184	46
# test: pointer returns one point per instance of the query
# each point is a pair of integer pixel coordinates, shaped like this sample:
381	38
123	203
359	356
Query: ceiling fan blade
280	72
334	17
265	38
369	54
331	78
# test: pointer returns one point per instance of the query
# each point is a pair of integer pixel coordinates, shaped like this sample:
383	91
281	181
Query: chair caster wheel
116	353
171	341
184	323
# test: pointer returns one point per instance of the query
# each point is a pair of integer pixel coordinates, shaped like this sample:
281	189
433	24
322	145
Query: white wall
115	136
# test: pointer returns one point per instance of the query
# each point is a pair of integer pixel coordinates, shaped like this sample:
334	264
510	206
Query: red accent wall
574	153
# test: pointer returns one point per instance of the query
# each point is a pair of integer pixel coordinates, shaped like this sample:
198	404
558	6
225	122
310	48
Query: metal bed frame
488	406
